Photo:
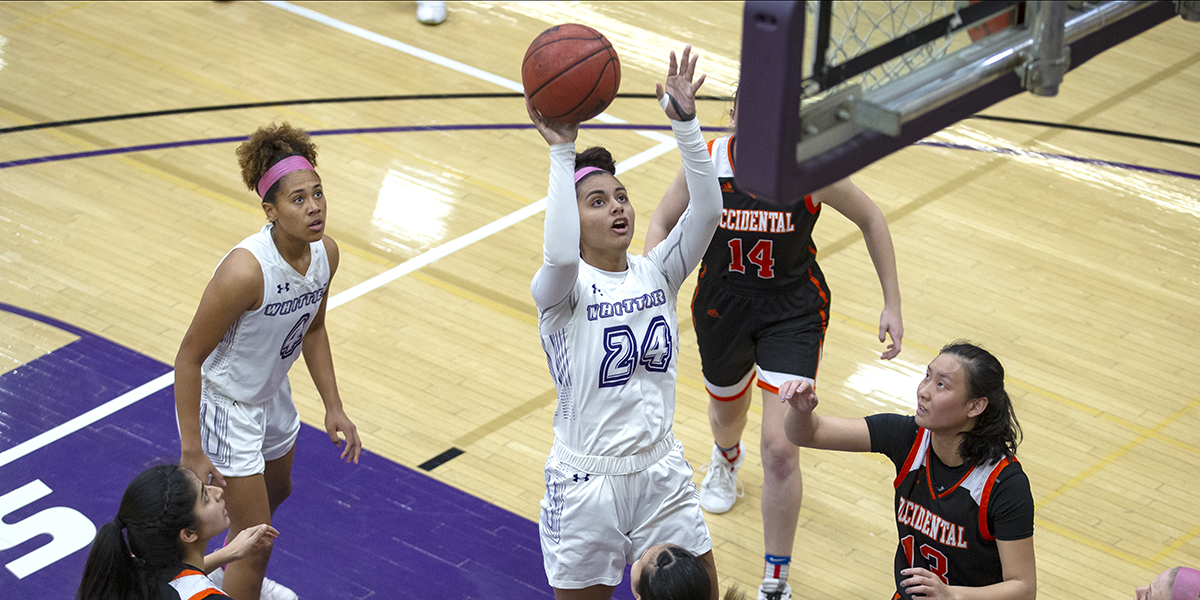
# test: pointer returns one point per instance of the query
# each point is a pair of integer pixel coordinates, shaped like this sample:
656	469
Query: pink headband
281	168
584	172
1187	584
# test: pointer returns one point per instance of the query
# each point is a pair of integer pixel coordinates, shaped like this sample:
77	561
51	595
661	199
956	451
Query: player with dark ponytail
154	547
264	307
996	432
964	510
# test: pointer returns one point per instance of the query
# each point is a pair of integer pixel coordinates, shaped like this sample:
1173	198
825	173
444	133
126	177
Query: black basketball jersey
951	531
758	248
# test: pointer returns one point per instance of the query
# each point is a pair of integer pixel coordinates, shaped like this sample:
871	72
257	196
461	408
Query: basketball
571	73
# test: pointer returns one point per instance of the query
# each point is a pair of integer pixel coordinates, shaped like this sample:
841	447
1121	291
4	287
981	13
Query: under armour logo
283	287
596	290
585	477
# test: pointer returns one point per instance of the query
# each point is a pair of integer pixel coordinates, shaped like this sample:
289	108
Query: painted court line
87	418
436	59
374	283
491	228
665	145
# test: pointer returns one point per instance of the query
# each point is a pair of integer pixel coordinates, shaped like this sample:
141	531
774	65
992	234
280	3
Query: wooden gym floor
1082	277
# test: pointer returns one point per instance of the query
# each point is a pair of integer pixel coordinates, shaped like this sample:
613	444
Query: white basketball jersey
252	360
611	346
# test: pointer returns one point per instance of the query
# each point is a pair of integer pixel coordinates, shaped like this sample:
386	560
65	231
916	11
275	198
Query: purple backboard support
768	127
768	116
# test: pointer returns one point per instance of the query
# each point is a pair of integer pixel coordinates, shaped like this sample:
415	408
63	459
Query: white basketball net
859	26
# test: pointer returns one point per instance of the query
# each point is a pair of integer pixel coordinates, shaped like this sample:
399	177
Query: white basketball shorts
239	438
593	525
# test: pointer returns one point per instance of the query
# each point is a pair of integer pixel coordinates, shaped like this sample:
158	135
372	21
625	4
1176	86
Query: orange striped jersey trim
912	457
987	494
192	584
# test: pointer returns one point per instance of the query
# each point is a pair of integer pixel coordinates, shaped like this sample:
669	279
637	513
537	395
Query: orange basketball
571	73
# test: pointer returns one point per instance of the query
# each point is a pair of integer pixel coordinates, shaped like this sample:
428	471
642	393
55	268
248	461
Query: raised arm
684	246
846	198
673	203
805	428
560	249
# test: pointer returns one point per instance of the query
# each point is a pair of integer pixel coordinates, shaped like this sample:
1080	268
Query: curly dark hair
596	156
269	145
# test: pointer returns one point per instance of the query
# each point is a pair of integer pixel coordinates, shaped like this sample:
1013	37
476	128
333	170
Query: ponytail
110	571
141	547
996	433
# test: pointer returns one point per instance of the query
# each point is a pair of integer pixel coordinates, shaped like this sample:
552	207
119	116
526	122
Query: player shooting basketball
616	480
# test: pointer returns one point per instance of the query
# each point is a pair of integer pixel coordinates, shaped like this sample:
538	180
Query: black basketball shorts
782	334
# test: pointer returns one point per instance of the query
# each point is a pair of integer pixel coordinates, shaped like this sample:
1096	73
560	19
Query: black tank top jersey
949	518
759	248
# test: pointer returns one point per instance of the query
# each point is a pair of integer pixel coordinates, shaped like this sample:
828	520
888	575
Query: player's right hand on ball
553	132
198	463
800	394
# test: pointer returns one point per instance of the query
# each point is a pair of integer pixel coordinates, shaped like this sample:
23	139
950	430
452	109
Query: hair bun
596	156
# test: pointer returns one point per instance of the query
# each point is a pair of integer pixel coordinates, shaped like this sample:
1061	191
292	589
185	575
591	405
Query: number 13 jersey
759	248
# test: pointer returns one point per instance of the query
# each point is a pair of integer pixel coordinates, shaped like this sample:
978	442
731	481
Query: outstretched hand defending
800	394
679	90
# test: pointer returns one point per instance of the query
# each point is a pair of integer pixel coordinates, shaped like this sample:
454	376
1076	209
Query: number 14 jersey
759	248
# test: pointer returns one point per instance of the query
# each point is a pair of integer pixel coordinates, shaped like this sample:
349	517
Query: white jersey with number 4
252	360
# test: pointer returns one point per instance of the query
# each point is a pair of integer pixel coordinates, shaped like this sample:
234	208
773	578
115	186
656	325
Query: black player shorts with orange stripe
781	332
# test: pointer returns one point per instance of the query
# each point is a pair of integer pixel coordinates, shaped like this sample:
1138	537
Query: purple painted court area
375	530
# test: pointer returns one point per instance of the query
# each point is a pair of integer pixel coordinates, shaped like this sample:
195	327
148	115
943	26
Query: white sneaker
431	13
774	589
271	589
721	487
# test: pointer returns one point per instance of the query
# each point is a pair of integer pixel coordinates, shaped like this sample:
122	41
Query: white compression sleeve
560	249
688	240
